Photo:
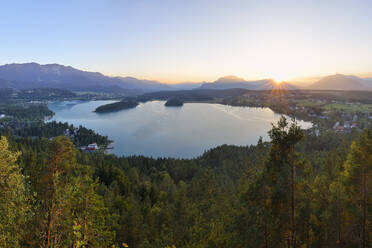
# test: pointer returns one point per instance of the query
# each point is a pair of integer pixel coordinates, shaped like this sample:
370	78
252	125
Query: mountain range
229	82
342	82
33	75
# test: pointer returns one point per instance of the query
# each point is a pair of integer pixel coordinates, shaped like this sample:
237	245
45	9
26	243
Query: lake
151	129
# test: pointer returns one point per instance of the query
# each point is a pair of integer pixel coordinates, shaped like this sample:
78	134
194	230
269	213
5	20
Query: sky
191	40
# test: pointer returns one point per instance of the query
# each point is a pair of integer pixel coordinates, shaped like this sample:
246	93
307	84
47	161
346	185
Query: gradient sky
191	40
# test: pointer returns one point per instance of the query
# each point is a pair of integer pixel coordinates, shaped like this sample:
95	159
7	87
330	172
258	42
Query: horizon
192	41
186	123
296	81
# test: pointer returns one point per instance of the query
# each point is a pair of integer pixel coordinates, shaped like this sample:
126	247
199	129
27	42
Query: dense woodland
16	113
299	190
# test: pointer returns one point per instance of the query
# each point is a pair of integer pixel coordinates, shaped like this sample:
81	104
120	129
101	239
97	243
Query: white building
92	147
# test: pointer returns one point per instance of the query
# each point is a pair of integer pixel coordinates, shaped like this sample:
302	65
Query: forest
30	112
298	190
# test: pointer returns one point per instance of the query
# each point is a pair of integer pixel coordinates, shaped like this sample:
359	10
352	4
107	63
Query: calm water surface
151	129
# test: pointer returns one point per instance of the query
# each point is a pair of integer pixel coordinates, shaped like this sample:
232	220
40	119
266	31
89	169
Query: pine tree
14	207
280	176
357	181
70	212
88	215
56	199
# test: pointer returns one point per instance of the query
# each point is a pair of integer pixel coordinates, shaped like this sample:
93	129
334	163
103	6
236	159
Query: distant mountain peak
339	75
34	75
230	82
339	82
230	79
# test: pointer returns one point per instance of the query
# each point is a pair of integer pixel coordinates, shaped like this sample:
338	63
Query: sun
279	78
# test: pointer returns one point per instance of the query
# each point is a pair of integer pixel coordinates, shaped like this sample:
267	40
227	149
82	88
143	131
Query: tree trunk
307	235
51	213
293	224
266	241
364	243
85	236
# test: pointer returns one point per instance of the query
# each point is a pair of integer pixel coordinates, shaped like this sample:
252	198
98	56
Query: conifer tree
357	181
280	179
14	207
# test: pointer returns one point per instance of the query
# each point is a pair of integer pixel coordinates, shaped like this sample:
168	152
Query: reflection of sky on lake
65	105
151	129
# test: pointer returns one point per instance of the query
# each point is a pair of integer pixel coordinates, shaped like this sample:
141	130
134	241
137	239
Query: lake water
151	129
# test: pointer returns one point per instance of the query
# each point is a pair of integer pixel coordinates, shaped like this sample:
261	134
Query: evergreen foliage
298	190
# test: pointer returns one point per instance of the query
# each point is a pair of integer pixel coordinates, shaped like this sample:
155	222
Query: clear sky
191	40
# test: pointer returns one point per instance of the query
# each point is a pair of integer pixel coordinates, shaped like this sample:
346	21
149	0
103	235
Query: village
327	114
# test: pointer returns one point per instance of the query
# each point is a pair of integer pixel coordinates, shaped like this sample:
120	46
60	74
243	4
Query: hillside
341	82
229	189
33	75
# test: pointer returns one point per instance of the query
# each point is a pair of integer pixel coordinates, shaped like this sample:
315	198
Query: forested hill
299	190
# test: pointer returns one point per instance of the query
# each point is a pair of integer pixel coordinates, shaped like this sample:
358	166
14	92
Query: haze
177	41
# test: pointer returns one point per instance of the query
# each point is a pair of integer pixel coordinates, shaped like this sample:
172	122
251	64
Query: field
361	108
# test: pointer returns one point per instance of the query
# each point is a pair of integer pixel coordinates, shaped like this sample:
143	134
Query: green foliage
357	185
80	136
229	197
31	112
14	208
